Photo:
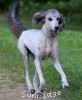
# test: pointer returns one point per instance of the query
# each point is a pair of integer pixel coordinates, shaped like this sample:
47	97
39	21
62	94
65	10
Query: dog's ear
62	22
39	17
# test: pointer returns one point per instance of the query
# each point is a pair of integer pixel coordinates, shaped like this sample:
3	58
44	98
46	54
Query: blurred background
72	10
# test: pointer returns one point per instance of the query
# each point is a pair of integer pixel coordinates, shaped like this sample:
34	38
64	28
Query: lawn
70	56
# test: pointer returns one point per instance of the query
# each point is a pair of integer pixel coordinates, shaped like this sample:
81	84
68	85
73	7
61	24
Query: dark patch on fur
30	53
39	48
61	22
14	22
39	17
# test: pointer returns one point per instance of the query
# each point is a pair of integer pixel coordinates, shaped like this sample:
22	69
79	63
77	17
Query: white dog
40	44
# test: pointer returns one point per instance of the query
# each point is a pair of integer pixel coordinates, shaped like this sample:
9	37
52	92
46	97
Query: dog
40	44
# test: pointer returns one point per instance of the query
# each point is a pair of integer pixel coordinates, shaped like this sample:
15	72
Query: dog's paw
32	91
39	94
65	85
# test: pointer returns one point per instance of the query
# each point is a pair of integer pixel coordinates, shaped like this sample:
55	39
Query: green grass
70	56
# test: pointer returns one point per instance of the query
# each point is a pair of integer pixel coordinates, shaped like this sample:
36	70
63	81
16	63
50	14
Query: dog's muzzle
53	32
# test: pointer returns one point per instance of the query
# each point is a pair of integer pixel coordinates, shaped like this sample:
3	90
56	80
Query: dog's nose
56	27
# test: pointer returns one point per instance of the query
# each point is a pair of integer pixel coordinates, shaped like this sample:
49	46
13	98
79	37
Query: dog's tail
14	22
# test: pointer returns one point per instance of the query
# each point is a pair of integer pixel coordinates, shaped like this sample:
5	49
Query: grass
70	56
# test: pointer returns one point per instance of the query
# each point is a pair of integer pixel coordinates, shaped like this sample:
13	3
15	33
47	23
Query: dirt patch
18	94
15	91
14	94
8	94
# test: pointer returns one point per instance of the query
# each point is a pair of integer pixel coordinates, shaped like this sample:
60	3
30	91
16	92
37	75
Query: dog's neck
45	31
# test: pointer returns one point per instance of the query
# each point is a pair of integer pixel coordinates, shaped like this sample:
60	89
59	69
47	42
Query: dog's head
53	21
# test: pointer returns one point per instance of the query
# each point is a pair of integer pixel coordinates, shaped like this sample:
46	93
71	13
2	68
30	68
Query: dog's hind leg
35	80
35	83
28	81
39	71
24	51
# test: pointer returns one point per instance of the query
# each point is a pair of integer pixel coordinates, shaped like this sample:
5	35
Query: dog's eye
50	19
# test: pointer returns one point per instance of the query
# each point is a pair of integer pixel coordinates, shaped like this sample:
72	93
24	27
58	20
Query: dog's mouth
53	32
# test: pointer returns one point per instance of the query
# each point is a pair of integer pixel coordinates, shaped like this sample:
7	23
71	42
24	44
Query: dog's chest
45	49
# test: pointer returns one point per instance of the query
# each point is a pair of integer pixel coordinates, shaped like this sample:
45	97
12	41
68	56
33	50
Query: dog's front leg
58	67
39	71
